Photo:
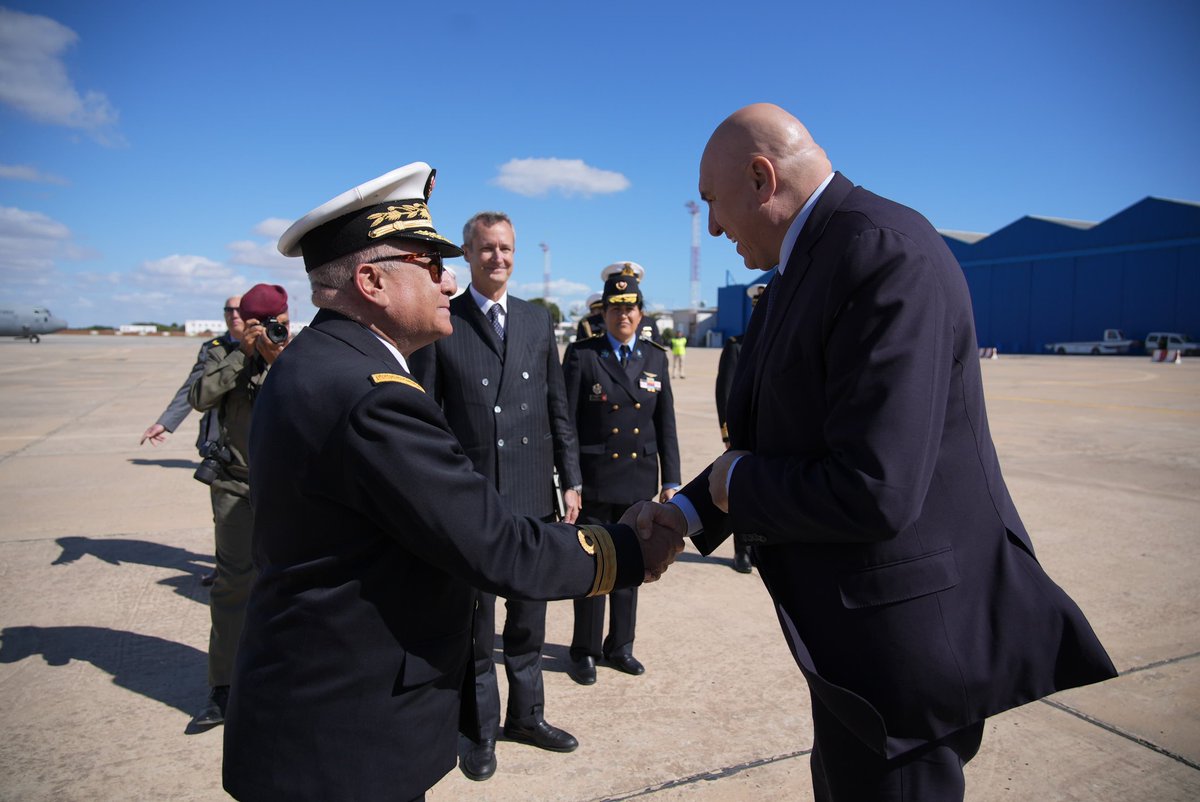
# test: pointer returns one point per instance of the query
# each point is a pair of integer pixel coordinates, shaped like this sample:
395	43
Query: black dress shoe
208	579
214	710
479	761
541	734
627	663
583	670
741	562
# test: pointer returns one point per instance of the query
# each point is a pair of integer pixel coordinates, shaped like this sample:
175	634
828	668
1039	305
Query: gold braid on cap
627	298
596	541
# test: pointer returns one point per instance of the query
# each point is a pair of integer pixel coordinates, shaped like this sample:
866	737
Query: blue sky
151	153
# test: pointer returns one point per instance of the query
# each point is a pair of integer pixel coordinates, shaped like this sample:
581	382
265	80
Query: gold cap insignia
621	285
399	218
627	270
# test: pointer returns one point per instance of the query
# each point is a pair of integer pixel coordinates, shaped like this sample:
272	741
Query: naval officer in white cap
372	530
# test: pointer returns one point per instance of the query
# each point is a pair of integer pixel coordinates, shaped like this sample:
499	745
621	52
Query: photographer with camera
232	375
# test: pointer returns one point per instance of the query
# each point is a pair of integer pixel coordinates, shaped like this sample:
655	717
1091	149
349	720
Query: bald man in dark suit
862	471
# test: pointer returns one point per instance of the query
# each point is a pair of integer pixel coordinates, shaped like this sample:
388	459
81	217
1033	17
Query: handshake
660	529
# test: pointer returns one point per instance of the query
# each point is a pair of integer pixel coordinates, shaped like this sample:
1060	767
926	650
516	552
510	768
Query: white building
136	328
214	327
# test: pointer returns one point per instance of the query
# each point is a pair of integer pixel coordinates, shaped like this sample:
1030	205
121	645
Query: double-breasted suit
625	420
903	577
506	402
371	532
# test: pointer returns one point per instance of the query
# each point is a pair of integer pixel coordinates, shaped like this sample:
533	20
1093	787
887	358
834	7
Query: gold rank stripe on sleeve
380	378
596	541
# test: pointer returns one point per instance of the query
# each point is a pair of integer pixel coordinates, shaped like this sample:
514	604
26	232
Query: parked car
1172	341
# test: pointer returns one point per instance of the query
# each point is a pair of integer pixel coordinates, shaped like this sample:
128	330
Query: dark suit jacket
625	420
505	400
902	574
371	527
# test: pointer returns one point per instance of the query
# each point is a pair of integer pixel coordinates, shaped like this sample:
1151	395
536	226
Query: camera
214	458
276	332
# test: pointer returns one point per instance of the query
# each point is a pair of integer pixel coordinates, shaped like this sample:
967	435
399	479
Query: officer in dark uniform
593	323
229	384
648	328
372	529
619	399
725	370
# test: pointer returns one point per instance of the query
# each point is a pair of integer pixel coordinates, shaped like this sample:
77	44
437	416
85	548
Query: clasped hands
660	529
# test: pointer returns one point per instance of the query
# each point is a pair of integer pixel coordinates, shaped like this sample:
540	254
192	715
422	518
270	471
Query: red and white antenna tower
545	271
694	210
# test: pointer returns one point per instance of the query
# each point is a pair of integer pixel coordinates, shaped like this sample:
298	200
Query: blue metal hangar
1040	279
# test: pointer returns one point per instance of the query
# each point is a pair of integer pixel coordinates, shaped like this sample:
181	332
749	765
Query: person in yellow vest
678	352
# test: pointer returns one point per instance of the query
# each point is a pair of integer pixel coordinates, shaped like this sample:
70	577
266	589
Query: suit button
496	409
485	382
524	407
616	407
637	431
616	456
633	455
637	405
500	443
525	374
616	431
524	441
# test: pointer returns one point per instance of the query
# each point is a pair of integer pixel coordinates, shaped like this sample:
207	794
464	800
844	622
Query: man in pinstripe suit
499	382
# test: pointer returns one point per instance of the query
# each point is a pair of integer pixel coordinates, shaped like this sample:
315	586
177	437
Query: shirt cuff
681	501
729	478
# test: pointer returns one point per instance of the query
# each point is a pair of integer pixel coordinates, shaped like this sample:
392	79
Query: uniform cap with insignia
754	292
622	287
619	267
595	300
394	205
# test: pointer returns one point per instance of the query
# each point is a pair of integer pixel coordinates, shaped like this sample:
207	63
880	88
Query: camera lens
276	332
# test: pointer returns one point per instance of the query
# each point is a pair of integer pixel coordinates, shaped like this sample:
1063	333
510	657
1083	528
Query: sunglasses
434	265
232	309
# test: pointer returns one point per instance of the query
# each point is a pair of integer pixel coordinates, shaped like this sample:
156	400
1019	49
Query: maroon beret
263	301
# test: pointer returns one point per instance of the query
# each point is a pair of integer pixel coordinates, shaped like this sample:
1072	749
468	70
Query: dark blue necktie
624	356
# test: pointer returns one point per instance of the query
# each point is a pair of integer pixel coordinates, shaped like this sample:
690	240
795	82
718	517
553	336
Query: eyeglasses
229	309
434	265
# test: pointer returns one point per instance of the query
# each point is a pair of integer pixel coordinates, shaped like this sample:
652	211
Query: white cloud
180	274
34	80
260	254
24	172
534	177
559	288
272	227
29	241
265	253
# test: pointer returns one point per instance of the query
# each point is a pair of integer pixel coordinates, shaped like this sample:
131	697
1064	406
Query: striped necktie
494	316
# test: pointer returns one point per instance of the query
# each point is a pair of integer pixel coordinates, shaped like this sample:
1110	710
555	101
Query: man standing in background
179	407
500	385
227	387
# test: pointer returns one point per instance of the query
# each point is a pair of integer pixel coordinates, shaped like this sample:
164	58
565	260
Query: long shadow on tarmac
116	551
190	464
168	672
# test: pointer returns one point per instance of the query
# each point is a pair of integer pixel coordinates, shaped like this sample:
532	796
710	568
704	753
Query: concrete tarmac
104	624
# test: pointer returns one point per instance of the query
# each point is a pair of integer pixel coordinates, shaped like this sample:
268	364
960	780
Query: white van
1174	342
